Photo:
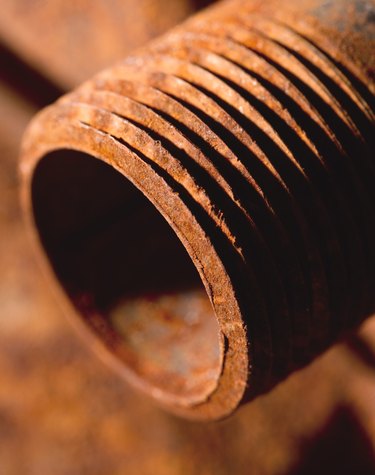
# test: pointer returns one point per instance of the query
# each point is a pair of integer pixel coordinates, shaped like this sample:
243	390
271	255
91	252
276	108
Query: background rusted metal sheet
69	40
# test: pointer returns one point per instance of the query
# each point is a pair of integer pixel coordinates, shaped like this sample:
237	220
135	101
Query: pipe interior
127	273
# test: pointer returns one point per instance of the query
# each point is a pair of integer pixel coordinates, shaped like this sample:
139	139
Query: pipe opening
128	275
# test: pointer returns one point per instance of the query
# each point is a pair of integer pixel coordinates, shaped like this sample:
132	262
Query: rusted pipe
245	137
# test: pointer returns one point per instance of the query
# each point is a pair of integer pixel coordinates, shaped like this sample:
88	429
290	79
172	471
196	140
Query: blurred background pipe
240	243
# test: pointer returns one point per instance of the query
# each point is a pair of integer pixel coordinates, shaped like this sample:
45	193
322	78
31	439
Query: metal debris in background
250	130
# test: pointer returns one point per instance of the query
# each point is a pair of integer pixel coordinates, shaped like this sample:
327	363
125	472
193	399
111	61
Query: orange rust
69	40
250	129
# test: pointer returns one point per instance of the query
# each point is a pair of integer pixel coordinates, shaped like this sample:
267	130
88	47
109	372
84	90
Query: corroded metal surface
69	40
250	129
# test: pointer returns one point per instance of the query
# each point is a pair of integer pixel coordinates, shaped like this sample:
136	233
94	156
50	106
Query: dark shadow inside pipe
127	273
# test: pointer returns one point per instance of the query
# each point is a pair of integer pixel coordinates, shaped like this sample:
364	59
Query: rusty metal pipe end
207	204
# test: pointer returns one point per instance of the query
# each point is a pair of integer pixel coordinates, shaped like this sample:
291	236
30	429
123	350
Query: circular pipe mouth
246	140
128	275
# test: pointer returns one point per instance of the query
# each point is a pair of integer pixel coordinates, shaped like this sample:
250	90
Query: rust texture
249	131
70	40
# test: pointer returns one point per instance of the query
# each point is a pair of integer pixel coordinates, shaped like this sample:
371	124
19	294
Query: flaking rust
246	139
